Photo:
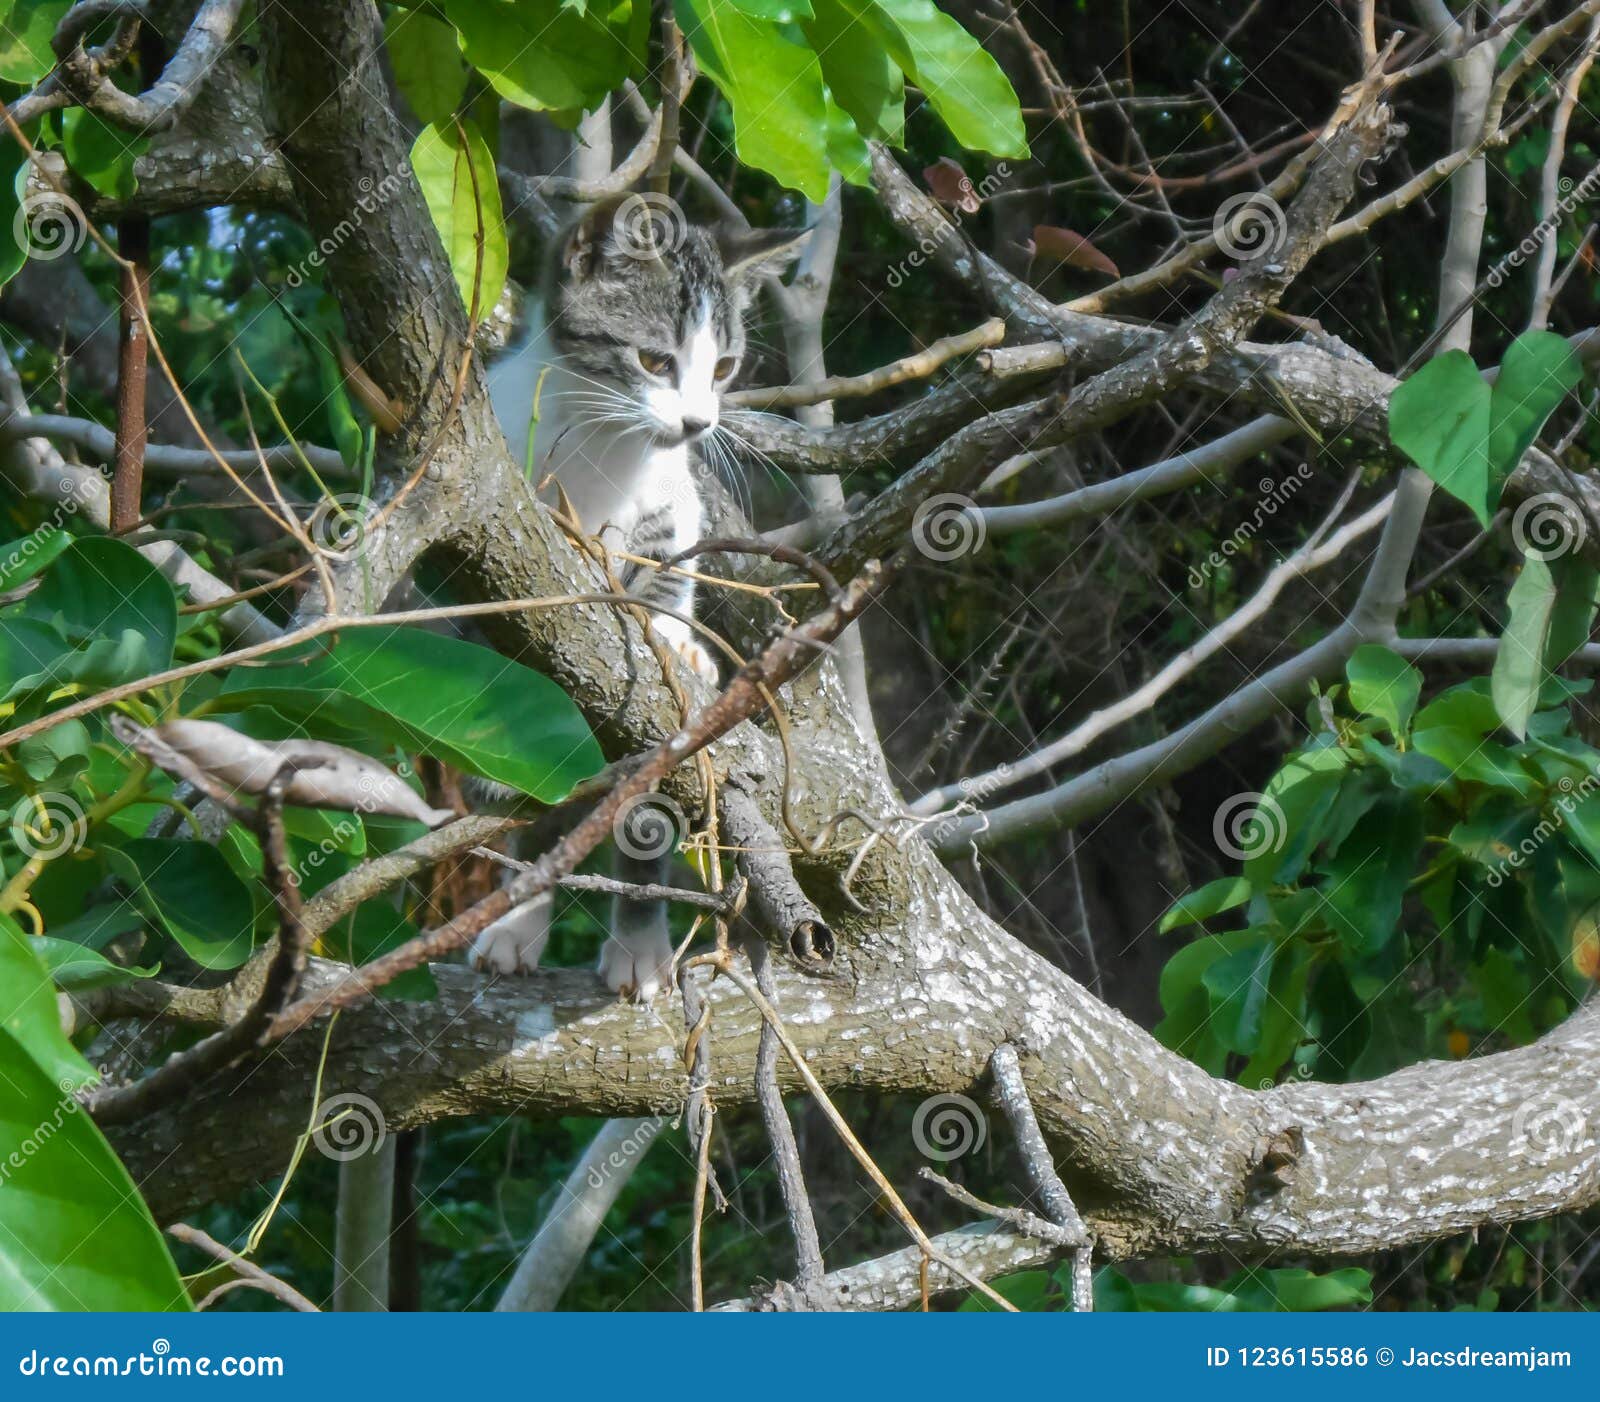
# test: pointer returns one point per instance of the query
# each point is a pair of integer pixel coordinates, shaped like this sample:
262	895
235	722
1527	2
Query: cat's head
650	310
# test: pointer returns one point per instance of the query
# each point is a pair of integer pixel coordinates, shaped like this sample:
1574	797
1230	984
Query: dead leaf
1065	246
951	185
325	776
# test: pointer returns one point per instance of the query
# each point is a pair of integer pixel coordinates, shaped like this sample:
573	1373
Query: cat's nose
693	427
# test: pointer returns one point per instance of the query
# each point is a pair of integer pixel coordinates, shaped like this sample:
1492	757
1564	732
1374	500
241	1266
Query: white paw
514	943
639	967
698	661
688	648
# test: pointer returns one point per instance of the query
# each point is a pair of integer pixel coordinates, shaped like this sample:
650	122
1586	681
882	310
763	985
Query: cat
608	393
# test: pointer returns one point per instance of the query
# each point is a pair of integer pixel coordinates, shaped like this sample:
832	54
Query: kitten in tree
613	390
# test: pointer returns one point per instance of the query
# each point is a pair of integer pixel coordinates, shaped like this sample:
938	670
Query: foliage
1404	858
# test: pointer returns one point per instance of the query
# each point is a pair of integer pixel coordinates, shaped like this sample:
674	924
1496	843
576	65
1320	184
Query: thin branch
248	1272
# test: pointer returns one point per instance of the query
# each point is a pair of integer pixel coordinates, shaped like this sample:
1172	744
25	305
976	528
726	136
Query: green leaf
57	754
30	1018
1470	437
99	590
189	889
773	83
1385	685
1300	794
452	699
13	175
1213	898
1467	708
1283	1015
860	75
541	54
456	171
1536	374
1551	605
100	153
24	558
25	30
74	1232
1478	760
1366	883
1237	983
1439	418
76	968
964	83
373	929
427	64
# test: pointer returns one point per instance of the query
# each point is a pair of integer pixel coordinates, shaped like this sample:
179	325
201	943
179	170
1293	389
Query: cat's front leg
636	959
514	943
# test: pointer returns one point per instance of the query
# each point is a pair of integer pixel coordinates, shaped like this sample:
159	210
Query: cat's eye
654	363
725	368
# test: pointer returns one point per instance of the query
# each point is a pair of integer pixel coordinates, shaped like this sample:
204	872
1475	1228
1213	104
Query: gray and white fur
614	392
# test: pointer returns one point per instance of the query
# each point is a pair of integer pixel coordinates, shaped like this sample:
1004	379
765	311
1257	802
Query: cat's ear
584	244
751	253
